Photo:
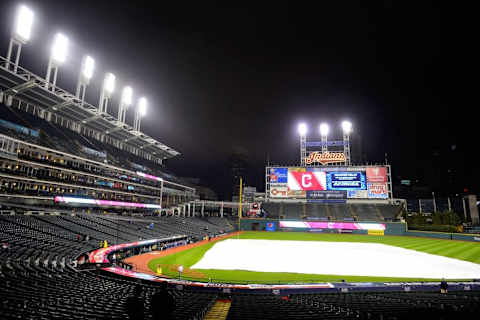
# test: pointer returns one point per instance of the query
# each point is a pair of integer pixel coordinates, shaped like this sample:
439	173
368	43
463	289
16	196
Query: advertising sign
357	194
270	226
325	157
346	180
377	190
296	192
307	180
376	232
279	191
278	175
377	174
326	195
331	225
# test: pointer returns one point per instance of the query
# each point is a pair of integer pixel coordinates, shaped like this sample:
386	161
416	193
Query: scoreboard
329	182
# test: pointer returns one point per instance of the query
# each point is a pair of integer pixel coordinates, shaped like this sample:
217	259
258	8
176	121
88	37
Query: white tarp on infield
334	258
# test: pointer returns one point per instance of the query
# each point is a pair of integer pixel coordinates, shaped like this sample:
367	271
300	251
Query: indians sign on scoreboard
317	183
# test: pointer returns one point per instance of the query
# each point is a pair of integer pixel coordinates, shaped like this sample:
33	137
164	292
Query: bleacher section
365	212
316	210
335	211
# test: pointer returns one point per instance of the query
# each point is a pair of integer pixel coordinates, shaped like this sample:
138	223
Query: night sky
222	79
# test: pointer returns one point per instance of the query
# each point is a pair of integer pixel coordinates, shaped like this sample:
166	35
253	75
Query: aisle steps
219	310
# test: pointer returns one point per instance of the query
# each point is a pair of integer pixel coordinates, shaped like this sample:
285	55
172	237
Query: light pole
324	133
141	112
57	57
107	90
347	129
125	102
302	131
21	34
86	73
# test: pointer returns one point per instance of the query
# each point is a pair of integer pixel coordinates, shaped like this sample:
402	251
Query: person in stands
134	306
163	303
444	286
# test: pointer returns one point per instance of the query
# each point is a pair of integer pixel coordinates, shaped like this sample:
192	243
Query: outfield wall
391	228
443	235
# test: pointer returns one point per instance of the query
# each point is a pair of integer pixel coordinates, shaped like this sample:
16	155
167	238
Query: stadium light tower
324	133
125	102
347	129
86	73
21	34
108	88
58	56
302	131
140	113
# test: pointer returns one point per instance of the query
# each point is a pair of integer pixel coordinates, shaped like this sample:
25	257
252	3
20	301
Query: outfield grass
469	251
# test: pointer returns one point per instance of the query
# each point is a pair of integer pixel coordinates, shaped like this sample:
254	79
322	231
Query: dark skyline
221	78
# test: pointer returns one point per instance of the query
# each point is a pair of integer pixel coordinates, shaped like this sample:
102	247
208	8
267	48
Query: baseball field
286	257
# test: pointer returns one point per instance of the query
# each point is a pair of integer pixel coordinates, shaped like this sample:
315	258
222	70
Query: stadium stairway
219	310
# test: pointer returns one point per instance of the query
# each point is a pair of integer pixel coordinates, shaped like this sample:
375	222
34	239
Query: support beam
119	127
20	88
87	120
60	106
131	138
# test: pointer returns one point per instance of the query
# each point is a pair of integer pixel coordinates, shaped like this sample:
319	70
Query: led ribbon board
106	202
331	225
148	176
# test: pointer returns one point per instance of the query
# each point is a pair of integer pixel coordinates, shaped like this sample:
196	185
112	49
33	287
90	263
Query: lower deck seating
37	280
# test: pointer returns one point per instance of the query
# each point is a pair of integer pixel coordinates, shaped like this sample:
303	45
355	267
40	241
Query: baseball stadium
92	221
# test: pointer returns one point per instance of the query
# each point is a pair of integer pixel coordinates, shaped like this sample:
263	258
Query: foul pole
240	204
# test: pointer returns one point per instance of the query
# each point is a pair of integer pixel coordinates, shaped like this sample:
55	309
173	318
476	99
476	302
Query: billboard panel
271	226
346	180
307	180
353	182
326	195
278	175
357	194
332	225
377	191
377	174
279	191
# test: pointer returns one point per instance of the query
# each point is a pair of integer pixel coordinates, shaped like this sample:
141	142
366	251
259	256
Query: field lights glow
347	127
23	24
324	129
106	202
87	67
59	48
142	106
109	83
302	129
127	96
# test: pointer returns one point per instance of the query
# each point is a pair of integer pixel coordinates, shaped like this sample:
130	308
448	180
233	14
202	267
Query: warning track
140	262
